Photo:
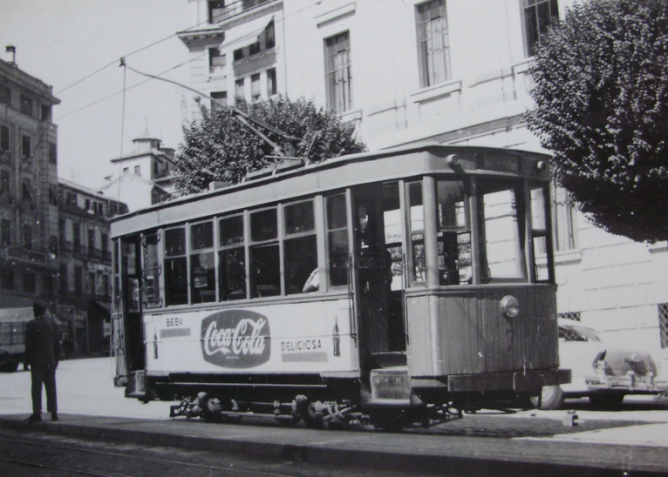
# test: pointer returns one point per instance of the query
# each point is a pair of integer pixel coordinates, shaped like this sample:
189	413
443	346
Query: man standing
42	354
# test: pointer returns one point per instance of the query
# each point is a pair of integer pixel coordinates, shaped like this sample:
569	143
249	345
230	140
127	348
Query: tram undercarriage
388	402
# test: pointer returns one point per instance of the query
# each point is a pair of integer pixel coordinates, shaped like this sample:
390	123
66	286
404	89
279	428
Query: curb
424	461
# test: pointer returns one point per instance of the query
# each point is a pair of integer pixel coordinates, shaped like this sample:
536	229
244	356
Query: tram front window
454	233
502	231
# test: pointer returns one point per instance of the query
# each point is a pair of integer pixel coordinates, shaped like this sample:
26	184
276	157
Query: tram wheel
551	398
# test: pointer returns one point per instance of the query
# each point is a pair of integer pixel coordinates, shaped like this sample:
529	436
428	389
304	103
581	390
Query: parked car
600	371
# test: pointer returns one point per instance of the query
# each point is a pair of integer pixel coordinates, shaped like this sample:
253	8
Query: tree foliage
221	148
601	91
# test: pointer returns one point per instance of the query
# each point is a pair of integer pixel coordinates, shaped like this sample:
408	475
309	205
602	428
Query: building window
5	232
29	282
5	95
53	246
26	105
254	48
26	194
271	82
4	138
570	315
26	147
216	61
338	70
47	285
126	170
78	281
53	154
255	87
433	43
27	237
53	195
564	221
239	90
220	99
538	16
4	183
7	279
46	112
663	324
138	171
238	54
269	36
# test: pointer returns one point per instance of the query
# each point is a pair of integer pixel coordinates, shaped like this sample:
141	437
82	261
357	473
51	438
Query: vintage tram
402	286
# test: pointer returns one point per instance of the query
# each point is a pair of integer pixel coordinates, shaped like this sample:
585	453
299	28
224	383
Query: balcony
26	255
218	12
94	254
106	256
79	251
65	247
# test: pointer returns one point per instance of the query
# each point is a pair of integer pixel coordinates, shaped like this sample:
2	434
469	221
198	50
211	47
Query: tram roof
294	178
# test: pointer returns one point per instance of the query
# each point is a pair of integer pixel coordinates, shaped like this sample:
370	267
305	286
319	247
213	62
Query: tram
401	286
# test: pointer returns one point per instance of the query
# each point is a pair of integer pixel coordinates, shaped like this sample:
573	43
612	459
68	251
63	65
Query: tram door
130	283
376	310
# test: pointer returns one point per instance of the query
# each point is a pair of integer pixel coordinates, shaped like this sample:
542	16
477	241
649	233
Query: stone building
28	188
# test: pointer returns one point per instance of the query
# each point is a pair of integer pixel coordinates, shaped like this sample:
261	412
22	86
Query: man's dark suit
42	353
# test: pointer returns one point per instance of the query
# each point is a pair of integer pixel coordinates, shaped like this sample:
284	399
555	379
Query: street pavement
630	441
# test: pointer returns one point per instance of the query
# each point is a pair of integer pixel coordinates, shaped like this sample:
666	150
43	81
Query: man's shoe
33	418
54	416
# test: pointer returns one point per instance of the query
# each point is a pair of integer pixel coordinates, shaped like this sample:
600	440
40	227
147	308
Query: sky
63	41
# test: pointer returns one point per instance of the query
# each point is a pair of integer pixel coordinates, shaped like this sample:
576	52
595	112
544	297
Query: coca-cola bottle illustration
155	345
336	338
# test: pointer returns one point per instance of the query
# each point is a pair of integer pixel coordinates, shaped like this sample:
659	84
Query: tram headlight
510	307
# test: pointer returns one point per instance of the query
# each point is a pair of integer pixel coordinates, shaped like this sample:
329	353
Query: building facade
436	70
28	188
145	174
84	275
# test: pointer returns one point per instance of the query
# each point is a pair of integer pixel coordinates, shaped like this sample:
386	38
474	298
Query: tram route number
174	321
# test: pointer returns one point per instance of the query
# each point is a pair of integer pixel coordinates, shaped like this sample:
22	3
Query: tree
222	148
601	92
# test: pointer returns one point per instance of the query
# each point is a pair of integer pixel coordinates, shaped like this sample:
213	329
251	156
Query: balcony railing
65	246
94	254
106	256
26	255
218	14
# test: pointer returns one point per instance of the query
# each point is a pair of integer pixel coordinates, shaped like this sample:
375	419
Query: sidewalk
630	450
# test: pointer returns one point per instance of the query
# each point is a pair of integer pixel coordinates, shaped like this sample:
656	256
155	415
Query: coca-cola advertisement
236	339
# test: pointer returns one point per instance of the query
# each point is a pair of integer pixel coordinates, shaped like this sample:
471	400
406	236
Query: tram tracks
40	453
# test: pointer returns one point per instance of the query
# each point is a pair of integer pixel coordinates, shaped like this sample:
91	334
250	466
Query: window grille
663	324
433	43
338	68
570	315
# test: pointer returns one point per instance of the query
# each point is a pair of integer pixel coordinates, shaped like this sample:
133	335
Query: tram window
231	231
337	239
176	267
129	258
539	232
299	218
202	263
300	249
393	233
416	210
232	259
151	271
265	258
501	228
265	271
454	237
264	225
